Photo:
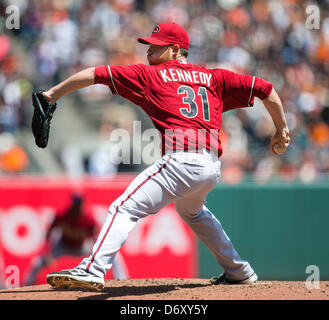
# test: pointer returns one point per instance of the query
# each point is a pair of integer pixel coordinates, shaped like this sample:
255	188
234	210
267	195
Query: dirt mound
175	289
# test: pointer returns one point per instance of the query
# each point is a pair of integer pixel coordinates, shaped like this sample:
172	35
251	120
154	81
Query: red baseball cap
164	34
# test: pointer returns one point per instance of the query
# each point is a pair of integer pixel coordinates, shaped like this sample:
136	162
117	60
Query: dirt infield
175	289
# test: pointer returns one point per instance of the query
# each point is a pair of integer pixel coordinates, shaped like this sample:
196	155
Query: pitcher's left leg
142	197
134	204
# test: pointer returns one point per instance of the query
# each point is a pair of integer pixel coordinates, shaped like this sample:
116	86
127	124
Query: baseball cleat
222	279
75	278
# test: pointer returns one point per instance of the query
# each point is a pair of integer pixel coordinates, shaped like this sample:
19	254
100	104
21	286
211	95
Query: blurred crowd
279	40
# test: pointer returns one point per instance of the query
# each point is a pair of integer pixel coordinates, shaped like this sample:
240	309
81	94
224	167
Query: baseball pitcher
185	103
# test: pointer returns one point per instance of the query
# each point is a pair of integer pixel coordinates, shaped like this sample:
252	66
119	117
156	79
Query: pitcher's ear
175	48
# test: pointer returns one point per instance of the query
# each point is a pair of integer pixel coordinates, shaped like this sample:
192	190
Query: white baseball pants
183	178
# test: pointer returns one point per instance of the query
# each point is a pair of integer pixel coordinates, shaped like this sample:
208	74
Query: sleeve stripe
108	67
251	90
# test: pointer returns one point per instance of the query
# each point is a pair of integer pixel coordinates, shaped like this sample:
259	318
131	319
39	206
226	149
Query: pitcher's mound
175	289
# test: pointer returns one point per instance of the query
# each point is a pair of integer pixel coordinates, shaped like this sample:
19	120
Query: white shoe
75	278
222	279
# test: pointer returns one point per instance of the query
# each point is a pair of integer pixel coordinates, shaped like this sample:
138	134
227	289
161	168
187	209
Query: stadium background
274	208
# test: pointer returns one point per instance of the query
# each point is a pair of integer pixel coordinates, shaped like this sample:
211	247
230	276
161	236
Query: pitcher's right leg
210	231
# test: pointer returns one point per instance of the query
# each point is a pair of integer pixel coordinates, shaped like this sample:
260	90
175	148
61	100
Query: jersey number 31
192	110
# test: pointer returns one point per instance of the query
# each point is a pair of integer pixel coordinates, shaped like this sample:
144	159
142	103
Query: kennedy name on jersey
194	76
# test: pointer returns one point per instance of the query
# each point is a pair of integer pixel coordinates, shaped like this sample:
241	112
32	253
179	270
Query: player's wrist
50	96
282	129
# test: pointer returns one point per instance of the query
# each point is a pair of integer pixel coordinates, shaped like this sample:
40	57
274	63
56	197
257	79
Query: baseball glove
42	115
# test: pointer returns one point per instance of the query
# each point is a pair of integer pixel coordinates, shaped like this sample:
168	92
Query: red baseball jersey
184	101
75	230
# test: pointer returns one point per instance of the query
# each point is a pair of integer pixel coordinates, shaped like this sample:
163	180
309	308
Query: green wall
279	228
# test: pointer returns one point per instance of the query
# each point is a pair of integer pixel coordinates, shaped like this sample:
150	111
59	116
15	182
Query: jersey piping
116	91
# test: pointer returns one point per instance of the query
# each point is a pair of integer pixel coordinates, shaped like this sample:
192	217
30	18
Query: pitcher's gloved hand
42	115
